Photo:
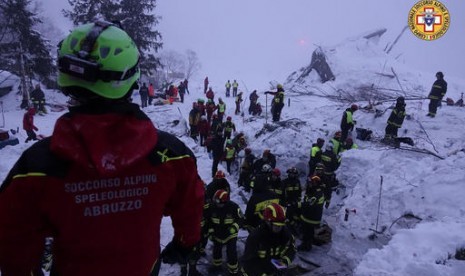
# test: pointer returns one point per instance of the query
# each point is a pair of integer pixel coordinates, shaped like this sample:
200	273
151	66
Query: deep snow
413	183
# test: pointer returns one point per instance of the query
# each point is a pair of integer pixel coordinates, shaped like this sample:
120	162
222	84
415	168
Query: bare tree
173	64
193	65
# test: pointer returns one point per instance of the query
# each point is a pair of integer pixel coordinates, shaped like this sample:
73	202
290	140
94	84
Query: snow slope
427	189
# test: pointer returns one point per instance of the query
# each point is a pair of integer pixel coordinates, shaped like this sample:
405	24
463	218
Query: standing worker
144	94
348	122
235	85
277	103
438	91
228	88
133	180
38	100
205	85
28	124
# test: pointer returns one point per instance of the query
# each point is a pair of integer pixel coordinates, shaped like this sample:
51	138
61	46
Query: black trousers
231	252
391	131
433	106
216	161
308	231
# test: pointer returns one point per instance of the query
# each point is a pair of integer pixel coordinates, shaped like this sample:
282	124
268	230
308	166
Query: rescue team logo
428	19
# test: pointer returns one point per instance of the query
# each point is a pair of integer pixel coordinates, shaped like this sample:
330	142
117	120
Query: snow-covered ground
422	215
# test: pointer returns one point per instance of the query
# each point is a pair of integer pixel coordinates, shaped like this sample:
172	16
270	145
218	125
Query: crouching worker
270	248
223	219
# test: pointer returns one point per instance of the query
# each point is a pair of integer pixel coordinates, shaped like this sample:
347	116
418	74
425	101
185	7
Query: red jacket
28	120
204	127
100	187
210	94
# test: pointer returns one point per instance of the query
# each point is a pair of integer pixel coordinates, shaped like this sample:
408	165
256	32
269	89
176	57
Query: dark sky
263	40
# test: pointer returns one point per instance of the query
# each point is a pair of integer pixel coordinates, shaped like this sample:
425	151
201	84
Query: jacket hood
107	138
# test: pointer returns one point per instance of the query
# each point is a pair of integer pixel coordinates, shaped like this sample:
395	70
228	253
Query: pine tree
17	32
136	17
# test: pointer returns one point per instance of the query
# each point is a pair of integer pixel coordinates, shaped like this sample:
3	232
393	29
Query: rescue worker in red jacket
101	184
210	107
28	124
204	129
269	244
223	219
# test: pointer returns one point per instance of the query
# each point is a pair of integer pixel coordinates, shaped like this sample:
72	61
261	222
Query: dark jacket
37	95
144	91
438	90
311	209
292	190
397	116
223	223
347	122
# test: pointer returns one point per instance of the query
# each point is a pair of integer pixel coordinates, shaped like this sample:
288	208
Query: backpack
363	134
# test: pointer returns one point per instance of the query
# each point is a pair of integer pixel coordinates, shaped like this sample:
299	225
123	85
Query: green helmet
99	57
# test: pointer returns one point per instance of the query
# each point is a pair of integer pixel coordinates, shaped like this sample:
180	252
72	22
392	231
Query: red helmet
248	151
275	214
338	134
320	142
228	118
276	172
354	107
349	140
221	196
219	174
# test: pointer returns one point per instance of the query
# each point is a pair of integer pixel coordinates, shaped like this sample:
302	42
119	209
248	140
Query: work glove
175	253
36	129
